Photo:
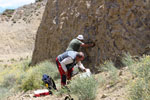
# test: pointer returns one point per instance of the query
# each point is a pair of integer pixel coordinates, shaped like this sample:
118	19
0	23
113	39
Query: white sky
14	3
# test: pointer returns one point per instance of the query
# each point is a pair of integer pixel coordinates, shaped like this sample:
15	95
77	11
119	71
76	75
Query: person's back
66	54
74	45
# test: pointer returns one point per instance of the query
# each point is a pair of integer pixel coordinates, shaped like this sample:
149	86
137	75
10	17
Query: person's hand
93	44
84	70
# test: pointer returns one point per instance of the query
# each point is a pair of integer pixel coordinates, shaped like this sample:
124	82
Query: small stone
120	73
104	96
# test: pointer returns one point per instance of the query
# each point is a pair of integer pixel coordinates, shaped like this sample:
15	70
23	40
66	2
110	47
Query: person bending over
66	63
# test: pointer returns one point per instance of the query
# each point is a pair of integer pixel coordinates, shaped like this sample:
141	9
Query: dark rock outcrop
117	26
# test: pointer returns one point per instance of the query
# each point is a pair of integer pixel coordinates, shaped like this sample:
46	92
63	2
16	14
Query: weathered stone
117	25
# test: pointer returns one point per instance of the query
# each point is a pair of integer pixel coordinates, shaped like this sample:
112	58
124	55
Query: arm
82	44
86	45
80	65
89	44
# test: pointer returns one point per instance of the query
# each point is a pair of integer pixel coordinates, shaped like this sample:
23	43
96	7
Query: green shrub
21	76
25	64
6	85
8	12
84	88
128	60
102	81
143	71
32	81
131	63
139	90
38	0
9	81
1	68
33	77
140	87
112	71
49	69
63	90
141	67
4	92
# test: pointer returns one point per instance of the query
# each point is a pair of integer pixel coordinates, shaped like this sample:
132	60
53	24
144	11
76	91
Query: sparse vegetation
23	77
38	0
8	12
13	60
33	78
131	63
9	81
4	92
140	87
112	70
84	88
63	90
81	88
102	81
113	25
128	60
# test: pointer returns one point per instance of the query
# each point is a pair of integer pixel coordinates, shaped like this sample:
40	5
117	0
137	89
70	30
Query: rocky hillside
117	26
18	28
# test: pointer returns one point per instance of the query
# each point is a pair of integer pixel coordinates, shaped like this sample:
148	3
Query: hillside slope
107	91
17	30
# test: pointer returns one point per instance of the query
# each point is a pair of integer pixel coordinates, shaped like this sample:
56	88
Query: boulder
117	26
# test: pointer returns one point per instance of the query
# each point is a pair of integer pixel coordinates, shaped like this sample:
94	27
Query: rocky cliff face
116	26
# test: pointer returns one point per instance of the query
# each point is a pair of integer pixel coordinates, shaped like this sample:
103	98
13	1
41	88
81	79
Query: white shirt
69	60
